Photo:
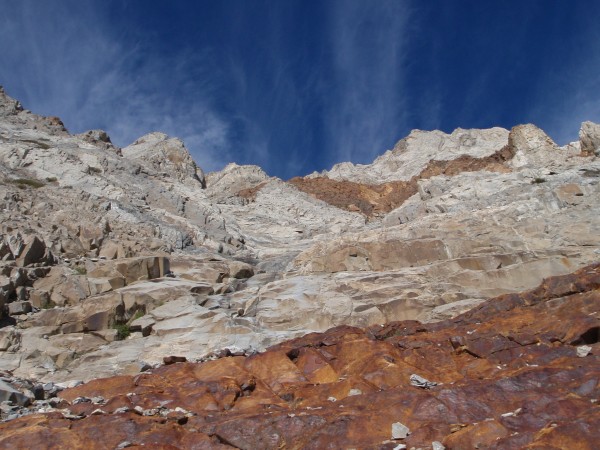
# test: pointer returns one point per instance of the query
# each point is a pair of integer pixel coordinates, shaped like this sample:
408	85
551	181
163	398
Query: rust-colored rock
508	376
167	360
368	199
376	199
250	193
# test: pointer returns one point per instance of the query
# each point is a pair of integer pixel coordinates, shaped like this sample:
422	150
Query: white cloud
366	104
67	59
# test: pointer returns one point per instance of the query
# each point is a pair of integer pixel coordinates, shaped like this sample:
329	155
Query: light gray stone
9	394
583	350
589	138
18	308
399	431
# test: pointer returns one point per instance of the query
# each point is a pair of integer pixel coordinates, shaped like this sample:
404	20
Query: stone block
19	308
34	252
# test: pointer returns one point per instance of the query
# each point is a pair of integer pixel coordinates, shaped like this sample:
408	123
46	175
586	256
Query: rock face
167	156
508	374
589	136
411	155
112	260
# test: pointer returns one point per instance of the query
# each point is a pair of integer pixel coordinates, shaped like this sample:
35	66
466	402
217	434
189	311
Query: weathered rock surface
413	154
167	156
112	260
507	374
589	137
377	199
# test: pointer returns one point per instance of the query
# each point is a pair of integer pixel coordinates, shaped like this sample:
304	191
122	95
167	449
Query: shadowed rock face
517	371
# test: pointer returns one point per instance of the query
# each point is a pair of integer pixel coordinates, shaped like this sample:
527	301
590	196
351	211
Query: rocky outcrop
116	260
24	261
589	138
411	155
378	199
517	371
166	156
235	184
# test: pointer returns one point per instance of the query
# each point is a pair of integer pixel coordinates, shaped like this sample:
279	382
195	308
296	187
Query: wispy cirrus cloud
69	59
367	100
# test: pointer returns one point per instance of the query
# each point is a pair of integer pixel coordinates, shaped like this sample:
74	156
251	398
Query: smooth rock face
112	260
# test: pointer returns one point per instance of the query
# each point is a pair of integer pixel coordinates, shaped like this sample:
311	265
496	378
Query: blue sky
297	86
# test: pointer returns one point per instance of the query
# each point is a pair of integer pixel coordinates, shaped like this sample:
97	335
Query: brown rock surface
377	199
508	375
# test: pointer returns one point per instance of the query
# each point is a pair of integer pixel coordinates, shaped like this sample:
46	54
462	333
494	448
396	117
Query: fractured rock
518	349
18	308
33	252
589	137
10	394
428	231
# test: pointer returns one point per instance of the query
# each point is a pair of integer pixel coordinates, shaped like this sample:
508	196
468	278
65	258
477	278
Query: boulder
97	313
105	284
39	299
18	308
9	337
589	138
63	286
238	269
91	236
132	269
5	252
33	252
112	250
532	147
16	244
8	393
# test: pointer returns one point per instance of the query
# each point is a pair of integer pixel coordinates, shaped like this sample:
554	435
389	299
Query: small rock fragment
436	445
420	382
583	351
399	431
98	400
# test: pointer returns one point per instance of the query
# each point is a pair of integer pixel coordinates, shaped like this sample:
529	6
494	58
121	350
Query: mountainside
112	259
519	371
